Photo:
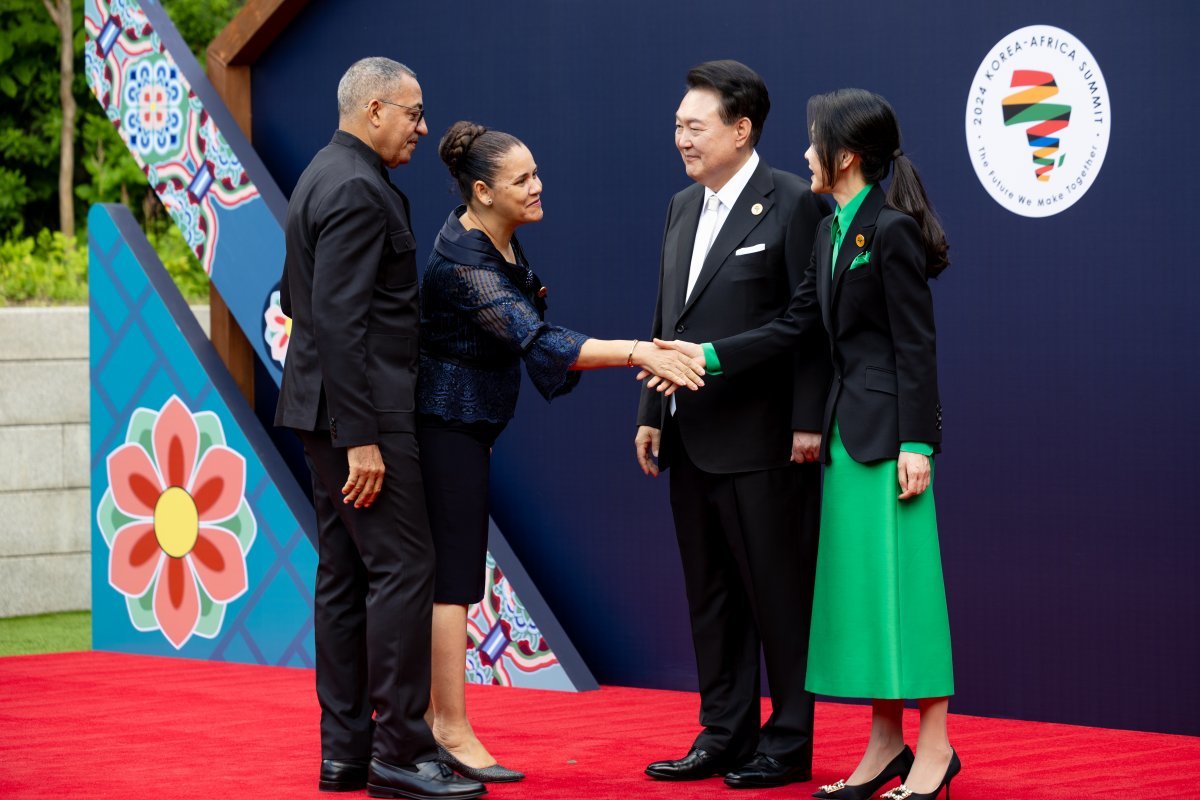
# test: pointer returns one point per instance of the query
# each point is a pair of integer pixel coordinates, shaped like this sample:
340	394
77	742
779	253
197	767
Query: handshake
669	365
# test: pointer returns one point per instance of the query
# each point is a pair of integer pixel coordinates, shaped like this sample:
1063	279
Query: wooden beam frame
230	58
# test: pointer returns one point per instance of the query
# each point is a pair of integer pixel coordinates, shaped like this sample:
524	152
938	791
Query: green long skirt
879	625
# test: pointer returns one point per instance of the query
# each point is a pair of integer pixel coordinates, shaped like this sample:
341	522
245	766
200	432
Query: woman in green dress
879	628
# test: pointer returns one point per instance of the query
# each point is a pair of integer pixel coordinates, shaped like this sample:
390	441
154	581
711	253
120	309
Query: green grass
46	633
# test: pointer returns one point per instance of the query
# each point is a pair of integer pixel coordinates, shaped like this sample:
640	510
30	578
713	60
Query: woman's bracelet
629	360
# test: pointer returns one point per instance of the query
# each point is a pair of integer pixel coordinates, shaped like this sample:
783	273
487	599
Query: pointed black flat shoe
493	774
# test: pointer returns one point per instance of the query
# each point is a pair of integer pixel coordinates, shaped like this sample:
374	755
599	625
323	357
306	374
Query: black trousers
373	607
748	542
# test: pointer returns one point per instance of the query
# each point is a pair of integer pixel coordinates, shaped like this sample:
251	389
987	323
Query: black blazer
879	317
350	287
737	426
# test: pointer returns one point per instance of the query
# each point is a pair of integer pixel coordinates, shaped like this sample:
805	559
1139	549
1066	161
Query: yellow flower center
287	325
176	522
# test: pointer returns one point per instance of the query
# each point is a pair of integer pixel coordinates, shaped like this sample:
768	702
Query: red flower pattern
172	544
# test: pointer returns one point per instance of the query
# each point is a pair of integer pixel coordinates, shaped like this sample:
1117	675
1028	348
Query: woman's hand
806	447
692	352
913	472
670	367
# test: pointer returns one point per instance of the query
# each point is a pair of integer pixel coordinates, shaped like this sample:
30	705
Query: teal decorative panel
202	540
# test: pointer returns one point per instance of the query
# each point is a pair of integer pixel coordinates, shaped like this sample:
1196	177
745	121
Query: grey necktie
706	232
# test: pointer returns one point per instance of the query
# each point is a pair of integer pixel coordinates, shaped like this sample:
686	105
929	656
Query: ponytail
906	193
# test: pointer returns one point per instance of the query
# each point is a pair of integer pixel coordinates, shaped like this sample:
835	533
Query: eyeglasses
420	110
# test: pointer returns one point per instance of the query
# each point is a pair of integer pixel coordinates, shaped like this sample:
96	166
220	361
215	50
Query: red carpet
101	725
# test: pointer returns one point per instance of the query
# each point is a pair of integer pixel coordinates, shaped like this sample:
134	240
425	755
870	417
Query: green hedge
50	269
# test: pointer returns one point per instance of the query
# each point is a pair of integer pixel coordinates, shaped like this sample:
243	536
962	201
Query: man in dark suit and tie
744	481
350	287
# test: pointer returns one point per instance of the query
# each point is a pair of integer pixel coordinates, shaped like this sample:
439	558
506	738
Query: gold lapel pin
756	209
860	240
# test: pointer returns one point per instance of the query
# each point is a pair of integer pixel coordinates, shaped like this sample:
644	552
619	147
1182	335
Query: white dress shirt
712	219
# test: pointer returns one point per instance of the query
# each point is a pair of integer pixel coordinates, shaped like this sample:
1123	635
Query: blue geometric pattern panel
201	539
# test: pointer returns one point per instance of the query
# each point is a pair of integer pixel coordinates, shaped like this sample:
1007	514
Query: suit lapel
863	225
678	258
737	227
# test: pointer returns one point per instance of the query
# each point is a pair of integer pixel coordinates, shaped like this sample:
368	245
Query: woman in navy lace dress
482	311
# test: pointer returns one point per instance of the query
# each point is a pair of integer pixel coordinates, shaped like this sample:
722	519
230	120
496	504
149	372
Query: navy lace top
480	317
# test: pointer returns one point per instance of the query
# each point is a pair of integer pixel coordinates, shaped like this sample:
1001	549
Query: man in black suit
350	287
742	455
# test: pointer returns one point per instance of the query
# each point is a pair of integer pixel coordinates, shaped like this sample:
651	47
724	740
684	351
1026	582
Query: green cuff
916	447
712	364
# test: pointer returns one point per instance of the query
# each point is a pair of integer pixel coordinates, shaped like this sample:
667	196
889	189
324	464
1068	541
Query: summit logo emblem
1031	105
1038	121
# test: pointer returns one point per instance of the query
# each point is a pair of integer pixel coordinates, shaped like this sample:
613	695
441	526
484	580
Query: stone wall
45	507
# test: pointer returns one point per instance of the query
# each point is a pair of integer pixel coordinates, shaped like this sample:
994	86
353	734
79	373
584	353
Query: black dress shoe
425	780
696	765
762	770
343	775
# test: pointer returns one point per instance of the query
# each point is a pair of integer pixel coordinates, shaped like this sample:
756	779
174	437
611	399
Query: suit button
680	328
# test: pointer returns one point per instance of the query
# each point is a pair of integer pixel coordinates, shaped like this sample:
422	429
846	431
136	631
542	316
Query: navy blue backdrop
1068	345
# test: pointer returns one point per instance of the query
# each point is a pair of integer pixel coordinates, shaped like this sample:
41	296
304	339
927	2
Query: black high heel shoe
898	767
902	792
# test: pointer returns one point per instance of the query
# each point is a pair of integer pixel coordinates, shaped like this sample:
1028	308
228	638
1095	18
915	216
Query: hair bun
456	141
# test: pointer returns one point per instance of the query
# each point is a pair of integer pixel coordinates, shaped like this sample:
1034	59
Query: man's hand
806	446
913	472
646	445
366	475
689	349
